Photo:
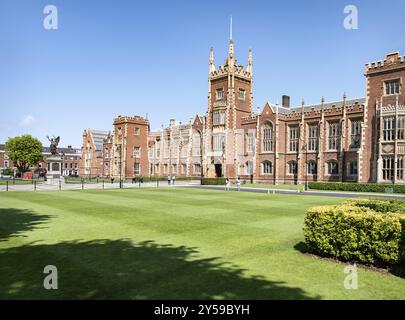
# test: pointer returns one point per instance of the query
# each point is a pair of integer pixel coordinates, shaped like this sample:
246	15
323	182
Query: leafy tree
25	151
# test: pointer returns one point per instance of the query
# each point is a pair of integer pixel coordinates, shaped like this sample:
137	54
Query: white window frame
293	138
313	134
334	136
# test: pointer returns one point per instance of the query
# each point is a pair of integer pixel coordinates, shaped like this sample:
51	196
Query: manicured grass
170	243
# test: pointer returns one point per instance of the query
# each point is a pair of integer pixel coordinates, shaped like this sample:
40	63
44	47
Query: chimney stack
286	101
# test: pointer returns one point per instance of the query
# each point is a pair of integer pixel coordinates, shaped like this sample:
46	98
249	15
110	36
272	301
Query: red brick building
70	160
357	140
91	161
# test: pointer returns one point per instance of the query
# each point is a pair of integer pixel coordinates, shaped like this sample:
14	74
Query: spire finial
230	31
323	104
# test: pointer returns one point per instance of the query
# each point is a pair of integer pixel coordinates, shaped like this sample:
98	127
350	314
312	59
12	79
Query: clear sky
120	57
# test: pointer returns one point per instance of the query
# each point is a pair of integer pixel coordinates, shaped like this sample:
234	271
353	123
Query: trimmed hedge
379	205
359	187
8	172
354	232
213	181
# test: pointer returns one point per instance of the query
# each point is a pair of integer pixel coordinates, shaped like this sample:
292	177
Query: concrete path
301	193
89	186
188	184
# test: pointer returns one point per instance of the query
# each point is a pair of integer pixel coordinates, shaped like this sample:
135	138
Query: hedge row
213	181
379	205
359	187
356	233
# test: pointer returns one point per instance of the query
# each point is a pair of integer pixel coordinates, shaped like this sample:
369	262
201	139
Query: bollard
35	186
103	184
60	185
7	185
82	184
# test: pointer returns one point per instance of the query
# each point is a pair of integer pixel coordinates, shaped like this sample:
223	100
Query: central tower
229	99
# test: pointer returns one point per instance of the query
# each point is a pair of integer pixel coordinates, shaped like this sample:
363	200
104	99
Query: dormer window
392	87
241	94
220	94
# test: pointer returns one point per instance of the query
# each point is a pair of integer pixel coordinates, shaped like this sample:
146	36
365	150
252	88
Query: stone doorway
218	170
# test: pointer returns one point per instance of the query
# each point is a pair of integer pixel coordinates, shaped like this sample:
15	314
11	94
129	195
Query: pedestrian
169	179
227	183
238	183
173	178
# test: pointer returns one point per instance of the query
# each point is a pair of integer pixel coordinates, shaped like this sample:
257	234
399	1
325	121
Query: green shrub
8	172
213	181
356	234
379	205
358	187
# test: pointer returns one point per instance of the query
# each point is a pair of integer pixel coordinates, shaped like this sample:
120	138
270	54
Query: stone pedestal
54	169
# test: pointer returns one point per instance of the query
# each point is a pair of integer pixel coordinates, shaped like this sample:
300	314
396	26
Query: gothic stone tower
229	99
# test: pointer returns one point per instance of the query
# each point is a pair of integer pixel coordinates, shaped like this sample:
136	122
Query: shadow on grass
14	222
119	269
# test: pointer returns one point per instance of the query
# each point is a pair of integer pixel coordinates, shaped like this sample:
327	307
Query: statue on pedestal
54	145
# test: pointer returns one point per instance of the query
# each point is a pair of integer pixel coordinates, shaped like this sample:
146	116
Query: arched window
333	167
292	167
312	167
267	167
196	143
267	137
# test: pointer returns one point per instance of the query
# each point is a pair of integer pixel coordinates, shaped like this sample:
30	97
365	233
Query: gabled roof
98	137
328	105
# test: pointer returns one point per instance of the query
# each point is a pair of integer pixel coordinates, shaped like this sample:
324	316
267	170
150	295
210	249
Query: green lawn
169	243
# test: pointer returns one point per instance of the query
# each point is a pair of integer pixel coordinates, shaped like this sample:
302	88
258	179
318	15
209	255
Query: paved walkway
303	193
187	184
87	186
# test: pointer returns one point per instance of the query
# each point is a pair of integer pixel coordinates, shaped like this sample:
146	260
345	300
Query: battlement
250	118
131	119
392	60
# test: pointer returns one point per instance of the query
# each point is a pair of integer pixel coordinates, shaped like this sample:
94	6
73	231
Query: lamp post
305	149
201	159
120	164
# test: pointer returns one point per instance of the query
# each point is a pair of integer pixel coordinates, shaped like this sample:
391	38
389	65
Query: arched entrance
218	168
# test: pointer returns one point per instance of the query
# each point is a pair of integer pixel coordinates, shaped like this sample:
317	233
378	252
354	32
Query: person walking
238	183
173	179
227	183
169	180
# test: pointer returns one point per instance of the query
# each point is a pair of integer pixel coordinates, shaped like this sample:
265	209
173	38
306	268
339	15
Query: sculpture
54	145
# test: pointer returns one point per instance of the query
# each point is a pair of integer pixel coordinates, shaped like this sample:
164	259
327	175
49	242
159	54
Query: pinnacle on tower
250	62
231	58
212	66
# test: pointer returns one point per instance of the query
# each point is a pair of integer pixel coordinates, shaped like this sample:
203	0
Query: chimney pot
286	101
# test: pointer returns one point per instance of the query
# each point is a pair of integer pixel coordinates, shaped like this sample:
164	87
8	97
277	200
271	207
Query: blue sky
119	57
